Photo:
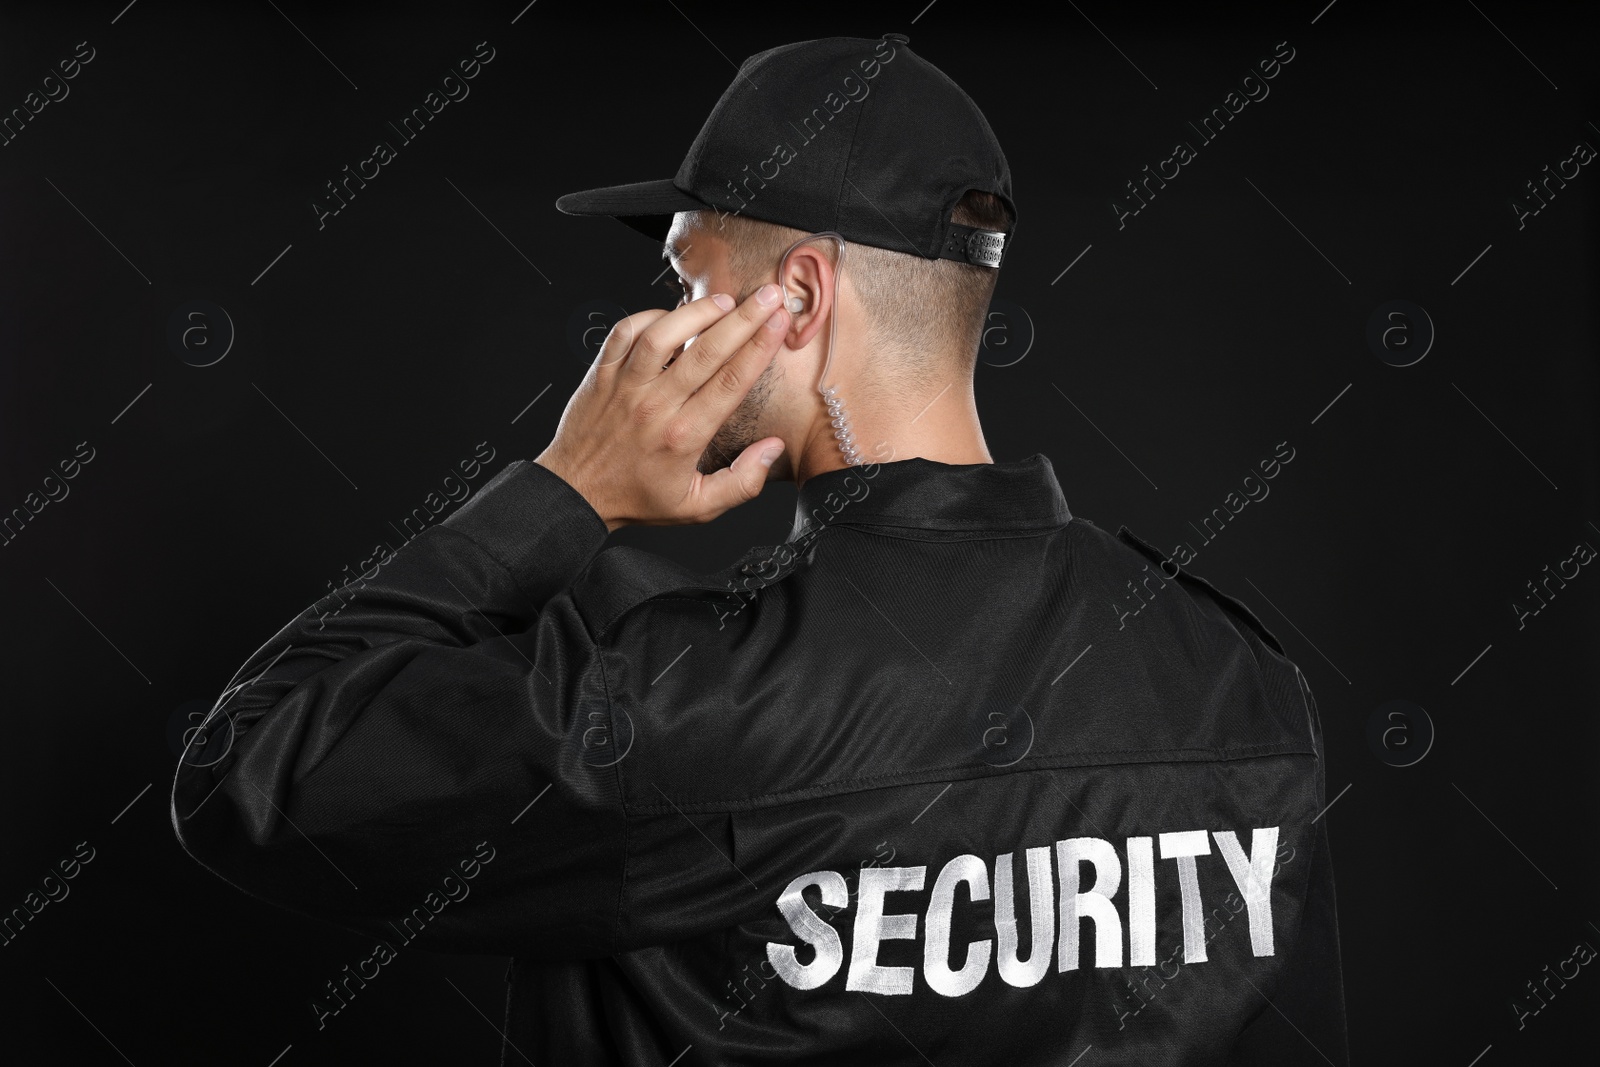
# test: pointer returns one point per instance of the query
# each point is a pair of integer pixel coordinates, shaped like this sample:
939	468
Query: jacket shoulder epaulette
1229	604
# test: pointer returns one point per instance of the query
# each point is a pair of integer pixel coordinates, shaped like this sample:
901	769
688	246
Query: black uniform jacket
948	777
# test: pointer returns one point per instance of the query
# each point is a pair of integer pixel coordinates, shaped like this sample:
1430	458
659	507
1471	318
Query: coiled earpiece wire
830	393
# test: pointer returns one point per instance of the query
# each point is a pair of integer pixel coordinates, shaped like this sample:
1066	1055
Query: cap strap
968	244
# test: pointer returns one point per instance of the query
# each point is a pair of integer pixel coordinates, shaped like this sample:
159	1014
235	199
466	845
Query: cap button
899	38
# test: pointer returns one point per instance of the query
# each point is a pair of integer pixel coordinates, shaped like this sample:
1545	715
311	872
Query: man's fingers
739	482
658	342
720	393
719	342
622	336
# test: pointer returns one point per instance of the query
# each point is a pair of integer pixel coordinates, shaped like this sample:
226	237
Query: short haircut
915	307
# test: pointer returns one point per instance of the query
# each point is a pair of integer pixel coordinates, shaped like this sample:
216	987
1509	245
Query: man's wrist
555	467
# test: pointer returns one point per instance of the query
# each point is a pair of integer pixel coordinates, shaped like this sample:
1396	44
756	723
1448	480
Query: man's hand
639	421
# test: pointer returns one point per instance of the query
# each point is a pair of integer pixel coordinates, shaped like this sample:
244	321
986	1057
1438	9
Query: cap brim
646	206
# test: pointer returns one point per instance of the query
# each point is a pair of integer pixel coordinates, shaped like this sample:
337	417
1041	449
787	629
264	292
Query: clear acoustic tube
830	394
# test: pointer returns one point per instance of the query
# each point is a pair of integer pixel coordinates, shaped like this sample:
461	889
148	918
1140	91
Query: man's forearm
328	713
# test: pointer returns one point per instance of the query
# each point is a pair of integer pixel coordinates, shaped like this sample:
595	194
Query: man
899	790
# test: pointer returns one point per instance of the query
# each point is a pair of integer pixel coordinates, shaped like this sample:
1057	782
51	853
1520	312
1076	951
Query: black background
423	318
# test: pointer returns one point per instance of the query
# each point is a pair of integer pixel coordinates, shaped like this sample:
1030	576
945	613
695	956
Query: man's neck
943	428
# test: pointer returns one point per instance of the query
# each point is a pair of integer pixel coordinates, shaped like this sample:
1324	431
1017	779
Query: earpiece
830	393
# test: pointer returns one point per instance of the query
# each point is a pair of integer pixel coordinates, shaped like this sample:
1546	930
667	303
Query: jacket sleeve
1302	1017
412	757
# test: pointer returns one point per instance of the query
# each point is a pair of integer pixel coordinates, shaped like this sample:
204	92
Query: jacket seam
1231	606
985	532
662	599
1313	721
852	785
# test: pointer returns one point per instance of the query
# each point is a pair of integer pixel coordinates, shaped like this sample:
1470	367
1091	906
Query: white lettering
936	955
1184	847
1253	873
1042	908
873	926
1057	903
1141	902
1094	904
810	929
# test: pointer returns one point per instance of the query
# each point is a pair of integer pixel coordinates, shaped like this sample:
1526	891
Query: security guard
915	786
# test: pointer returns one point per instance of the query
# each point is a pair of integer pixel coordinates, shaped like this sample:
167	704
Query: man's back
949	777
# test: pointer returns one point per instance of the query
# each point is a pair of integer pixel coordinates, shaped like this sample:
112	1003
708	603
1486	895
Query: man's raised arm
366	755
367	752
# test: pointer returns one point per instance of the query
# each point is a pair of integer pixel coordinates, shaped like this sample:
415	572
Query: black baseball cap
862	137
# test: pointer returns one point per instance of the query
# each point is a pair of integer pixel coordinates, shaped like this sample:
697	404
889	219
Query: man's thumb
744	478
770	451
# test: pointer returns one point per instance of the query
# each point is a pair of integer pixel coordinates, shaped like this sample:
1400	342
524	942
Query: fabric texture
950	776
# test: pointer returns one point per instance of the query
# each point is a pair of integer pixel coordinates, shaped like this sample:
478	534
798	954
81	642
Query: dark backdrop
436	311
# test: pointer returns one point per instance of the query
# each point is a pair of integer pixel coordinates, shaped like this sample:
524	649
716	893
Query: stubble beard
742	429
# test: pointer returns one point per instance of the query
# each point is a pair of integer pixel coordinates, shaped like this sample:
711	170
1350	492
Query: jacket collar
960	500
925	494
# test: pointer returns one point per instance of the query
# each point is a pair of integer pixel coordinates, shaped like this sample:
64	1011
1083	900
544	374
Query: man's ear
807	282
